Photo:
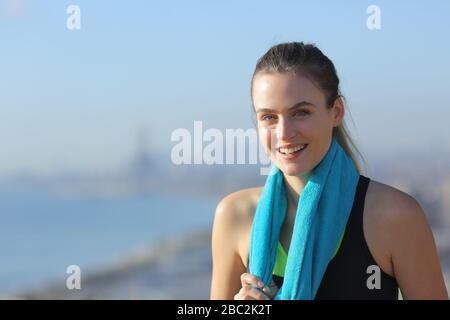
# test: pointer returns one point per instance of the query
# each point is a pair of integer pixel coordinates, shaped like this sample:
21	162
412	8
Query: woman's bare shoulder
386	211
239	206
389	204
231	219
400	225
389	212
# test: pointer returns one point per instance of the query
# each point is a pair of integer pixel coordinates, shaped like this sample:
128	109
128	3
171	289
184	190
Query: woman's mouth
292	151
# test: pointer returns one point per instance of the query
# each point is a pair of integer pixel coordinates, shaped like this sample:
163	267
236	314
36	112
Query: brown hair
309	61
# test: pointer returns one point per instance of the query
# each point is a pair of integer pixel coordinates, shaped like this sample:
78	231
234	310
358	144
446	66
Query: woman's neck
294	187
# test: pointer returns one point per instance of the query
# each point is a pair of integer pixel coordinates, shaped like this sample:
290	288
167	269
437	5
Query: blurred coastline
172	269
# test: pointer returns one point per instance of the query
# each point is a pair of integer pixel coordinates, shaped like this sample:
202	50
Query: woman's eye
301	113
267	117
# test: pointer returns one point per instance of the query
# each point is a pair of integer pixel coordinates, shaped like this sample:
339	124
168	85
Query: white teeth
291	150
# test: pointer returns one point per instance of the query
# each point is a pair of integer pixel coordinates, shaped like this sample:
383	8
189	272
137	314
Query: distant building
142	168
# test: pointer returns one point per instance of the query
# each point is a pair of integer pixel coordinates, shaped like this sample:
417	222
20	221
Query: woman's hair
307	60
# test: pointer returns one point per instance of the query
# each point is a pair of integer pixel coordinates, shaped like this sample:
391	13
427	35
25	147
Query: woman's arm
227	265
229	278
414	255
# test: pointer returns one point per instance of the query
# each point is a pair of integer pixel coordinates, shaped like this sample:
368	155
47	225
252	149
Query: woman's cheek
268	139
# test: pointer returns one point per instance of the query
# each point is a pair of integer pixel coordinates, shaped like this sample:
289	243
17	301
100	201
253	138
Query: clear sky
78	99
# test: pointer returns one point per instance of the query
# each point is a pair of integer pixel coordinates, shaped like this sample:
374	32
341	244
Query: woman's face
291	114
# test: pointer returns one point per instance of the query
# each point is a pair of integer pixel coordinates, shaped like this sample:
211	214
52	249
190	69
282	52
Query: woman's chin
293	170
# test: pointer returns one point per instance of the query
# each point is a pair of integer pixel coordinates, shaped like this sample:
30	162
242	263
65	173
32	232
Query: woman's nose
285	129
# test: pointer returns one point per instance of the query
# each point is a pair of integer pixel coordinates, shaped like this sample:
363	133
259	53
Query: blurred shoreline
172	269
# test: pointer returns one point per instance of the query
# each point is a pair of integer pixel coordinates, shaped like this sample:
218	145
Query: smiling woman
318	229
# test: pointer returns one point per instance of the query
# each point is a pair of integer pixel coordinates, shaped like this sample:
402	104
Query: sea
43	233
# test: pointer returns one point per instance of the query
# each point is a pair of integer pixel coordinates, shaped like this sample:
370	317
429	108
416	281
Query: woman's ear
338	111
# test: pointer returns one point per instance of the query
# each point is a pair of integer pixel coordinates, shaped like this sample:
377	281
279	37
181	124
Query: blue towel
322	213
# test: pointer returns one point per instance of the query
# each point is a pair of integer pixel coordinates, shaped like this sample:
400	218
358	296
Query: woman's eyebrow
297	105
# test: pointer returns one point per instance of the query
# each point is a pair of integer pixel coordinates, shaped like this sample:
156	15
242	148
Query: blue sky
78	99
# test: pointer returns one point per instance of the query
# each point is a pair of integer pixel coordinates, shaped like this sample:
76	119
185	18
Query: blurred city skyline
76	100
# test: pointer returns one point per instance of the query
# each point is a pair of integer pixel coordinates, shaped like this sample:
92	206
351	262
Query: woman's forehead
281	91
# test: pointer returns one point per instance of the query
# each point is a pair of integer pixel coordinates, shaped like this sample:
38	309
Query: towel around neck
322	213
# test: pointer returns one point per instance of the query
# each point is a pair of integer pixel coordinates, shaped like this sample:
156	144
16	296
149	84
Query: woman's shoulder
239	206
232	223
398	224
391	218
390	204
228	231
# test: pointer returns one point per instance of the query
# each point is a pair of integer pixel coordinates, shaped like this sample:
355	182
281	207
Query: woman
387	243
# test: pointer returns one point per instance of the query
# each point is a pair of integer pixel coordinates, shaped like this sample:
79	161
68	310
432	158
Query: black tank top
353	273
